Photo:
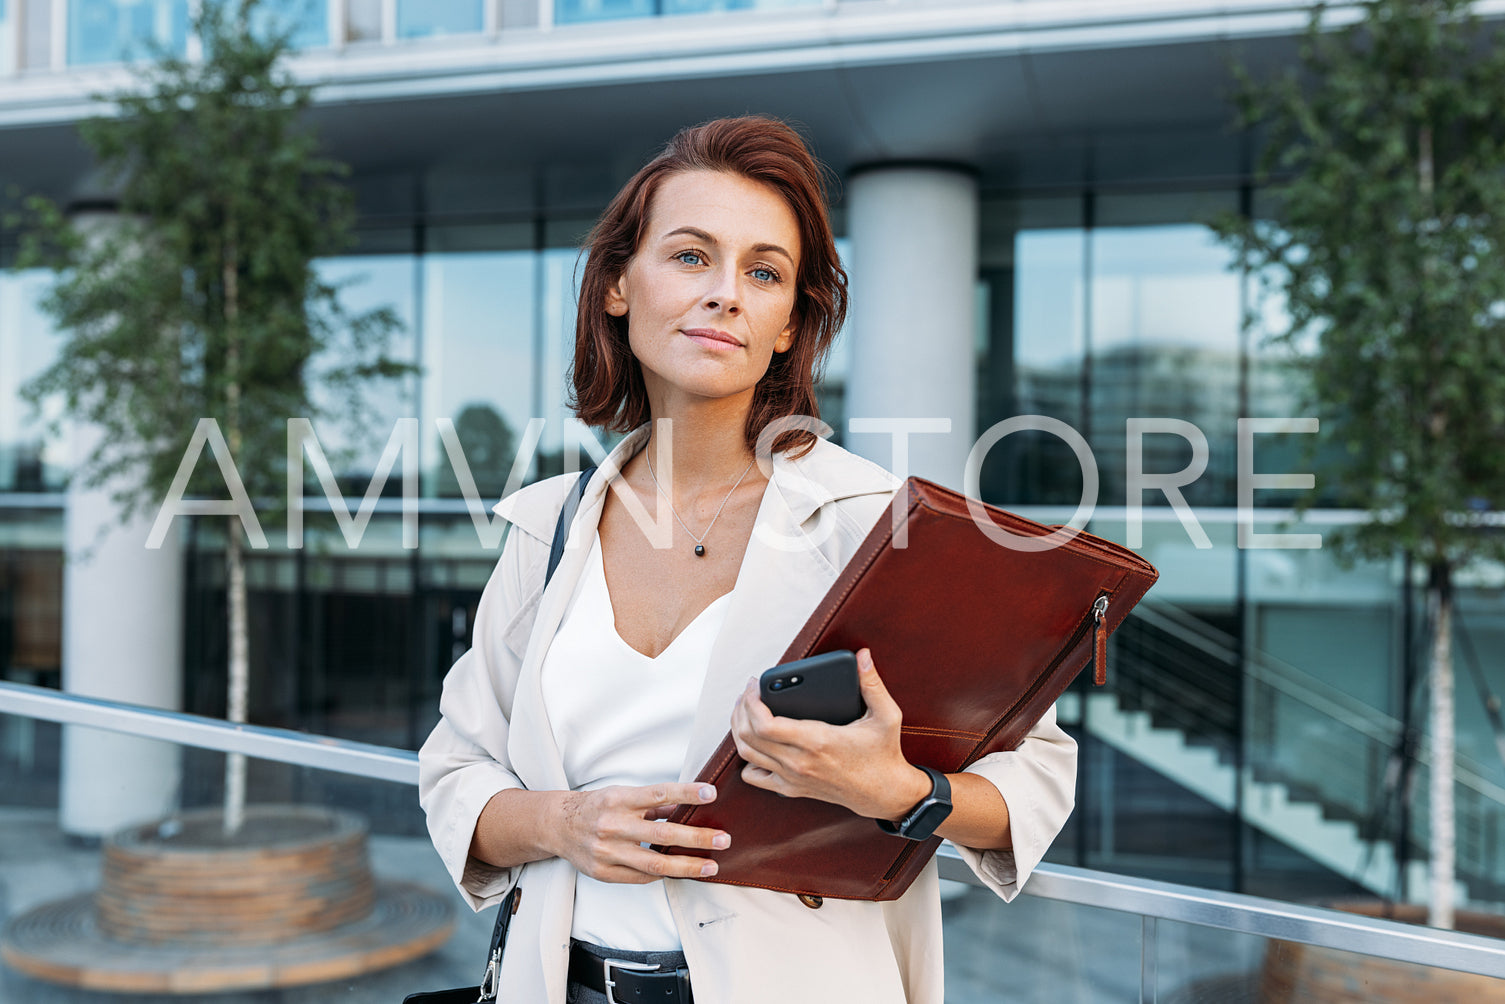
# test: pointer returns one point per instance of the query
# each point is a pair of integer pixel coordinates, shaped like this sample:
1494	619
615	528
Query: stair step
1268	805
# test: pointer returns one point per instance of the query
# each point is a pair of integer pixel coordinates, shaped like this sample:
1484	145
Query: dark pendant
700	550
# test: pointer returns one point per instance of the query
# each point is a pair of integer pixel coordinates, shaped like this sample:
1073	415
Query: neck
699	448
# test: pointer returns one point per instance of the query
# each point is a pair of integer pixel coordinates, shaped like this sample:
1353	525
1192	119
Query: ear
786	337
616	302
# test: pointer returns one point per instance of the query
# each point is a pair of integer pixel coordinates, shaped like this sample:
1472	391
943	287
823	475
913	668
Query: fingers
656	796
752	721
642	865
875	695
619	820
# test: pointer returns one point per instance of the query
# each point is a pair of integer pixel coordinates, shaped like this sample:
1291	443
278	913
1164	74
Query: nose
724	294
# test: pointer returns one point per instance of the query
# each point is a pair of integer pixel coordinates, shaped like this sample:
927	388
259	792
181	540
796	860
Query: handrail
344	756
1265	918
1155	900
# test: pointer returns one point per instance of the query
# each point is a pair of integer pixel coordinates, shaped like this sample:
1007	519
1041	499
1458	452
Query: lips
713	335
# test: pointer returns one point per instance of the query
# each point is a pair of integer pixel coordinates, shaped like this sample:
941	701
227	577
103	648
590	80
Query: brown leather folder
975	639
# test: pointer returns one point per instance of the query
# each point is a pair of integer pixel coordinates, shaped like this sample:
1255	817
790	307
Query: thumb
874	693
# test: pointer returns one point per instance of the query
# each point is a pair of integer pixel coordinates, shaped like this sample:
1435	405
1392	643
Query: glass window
706	6
30	459
575	11
363	20
108	31
308	20
1280	387
831	392
1033	267
367	282
438	17
1164	333
479	322
36	46
7	38
518	13
563	268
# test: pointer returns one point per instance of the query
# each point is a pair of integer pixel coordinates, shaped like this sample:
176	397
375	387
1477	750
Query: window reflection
307	21
575	11
1165	343
831	392
354	442
108	31
7	38
363	20
438	17
572	11
31	460
1033	268
36	28
563	432
480	315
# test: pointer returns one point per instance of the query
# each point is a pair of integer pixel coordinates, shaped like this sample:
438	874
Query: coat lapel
535	755
795	554
779	584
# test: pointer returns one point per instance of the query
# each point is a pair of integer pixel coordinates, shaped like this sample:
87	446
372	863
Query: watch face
927	818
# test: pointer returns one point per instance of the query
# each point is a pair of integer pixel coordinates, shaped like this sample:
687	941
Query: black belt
626	982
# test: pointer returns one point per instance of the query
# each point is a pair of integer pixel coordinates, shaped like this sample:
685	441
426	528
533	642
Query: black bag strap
513	898
566	517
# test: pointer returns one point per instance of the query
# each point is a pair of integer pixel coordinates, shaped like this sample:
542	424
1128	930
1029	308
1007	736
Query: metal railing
1151	901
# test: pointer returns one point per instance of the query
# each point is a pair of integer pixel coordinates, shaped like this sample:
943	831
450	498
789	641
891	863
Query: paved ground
1028	951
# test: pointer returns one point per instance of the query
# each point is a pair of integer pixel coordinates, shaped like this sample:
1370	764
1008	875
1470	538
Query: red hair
608	382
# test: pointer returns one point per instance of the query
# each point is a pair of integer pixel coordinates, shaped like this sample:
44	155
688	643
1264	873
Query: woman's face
709	294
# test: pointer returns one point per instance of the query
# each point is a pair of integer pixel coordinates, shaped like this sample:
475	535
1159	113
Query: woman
580	717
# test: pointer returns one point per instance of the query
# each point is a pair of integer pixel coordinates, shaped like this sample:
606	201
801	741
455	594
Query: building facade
1023	192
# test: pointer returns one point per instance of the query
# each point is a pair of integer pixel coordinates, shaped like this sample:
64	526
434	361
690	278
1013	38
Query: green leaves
200	298
1386	153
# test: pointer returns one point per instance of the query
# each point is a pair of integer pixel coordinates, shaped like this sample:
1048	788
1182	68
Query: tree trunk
238	684
1444	842
239	674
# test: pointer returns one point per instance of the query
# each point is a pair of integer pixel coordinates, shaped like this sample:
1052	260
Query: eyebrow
699	234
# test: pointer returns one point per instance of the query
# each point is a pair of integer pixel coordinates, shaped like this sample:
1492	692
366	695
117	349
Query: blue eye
765	275
691	257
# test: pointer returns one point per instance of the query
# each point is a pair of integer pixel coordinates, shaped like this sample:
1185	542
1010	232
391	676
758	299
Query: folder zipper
1096	622
1099	641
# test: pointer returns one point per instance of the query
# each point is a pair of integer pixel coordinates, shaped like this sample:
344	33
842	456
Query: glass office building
1041	174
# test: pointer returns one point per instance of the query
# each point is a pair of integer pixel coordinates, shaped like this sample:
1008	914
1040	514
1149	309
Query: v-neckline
598	569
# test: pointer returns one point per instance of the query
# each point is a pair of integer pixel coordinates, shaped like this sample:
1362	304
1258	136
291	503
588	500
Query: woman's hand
860	765
601	832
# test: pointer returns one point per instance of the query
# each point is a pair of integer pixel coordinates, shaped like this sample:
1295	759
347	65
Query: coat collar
789	565
823	475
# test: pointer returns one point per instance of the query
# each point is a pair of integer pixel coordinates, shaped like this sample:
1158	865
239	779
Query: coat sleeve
464	761
1038	783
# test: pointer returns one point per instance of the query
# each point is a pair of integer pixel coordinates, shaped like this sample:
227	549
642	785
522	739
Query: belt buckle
607	965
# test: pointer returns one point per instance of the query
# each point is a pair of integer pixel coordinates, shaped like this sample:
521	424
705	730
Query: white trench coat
741	944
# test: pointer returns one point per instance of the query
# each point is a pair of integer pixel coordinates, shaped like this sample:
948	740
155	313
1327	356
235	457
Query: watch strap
932	810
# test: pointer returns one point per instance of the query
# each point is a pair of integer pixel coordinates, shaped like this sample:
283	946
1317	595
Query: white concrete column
914	233
122	640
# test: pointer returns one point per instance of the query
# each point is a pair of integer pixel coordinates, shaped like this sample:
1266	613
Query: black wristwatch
920	822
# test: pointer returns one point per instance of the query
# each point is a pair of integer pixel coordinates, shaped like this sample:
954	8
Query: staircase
1317	765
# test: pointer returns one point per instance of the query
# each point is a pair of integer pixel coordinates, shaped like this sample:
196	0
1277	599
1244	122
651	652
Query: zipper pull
1099	641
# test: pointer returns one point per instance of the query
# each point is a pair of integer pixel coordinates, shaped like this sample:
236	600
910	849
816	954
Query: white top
620	717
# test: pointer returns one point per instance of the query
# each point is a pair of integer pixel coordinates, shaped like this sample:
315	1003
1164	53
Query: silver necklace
699	545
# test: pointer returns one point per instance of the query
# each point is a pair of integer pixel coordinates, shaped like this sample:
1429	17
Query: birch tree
204	301
1384	150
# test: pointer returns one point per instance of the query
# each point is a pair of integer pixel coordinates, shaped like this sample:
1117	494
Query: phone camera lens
795	679
776	685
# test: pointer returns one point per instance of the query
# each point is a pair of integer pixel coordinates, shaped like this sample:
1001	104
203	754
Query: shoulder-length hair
608	382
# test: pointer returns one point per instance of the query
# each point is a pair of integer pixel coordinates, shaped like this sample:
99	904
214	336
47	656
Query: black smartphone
822	686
